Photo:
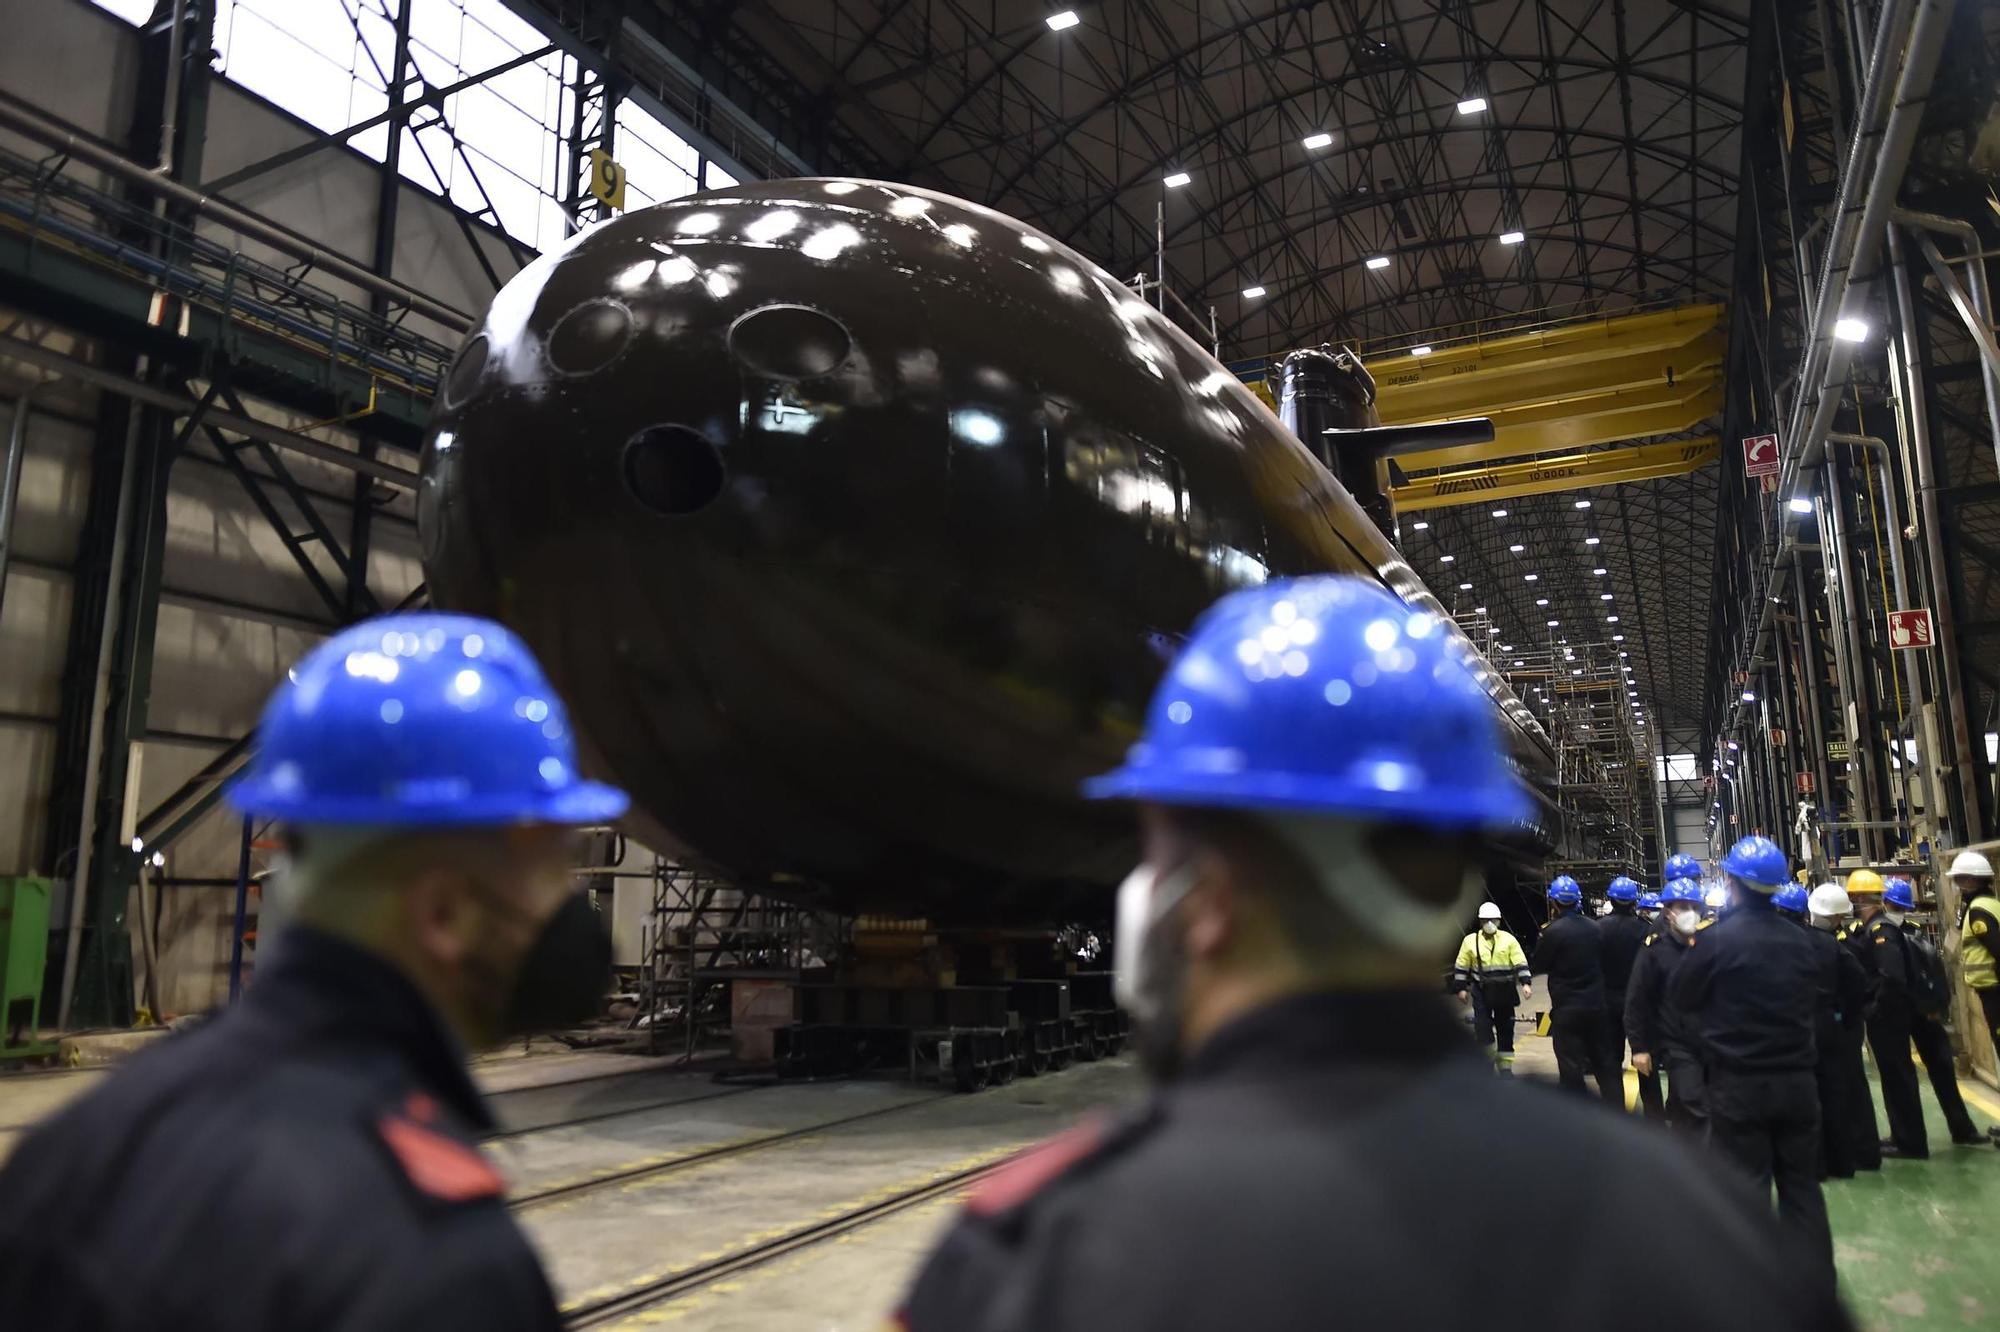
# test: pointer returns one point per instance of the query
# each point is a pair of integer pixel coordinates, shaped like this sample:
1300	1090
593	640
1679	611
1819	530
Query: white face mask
1895	917
1142	899
1489	927
1687	920
1650	915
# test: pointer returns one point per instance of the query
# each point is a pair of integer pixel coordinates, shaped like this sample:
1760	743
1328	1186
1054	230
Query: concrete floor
1913	1242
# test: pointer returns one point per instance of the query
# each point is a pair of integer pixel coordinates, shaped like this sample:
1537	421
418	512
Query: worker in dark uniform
1658	1031
1325	1144
1749	990
1790	903
1681	865
1852	935
1896	1024
1979	941
308	1159
1624	933
1841	1011
1649	911
1571	954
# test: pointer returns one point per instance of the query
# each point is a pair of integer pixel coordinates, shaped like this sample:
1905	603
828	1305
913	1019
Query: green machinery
24	951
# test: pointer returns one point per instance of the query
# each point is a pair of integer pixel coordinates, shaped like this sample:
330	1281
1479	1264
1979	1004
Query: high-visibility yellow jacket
1979	945
1496	958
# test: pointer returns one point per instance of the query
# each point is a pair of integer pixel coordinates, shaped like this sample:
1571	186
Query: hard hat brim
1437	807
576	804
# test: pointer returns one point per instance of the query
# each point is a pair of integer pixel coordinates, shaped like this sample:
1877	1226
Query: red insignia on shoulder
1034	1169
440	1167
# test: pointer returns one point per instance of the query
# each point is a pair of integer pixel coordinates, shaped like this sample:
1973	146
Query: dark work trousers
1493	1023
1687	1092
1649	1083
1836	1137
1768	1123
1583	1045
1651	1099
1891	1031
1864	1139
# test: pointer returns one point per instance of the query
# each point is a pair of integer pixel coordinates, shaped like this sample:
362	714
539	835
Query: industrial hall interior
999	666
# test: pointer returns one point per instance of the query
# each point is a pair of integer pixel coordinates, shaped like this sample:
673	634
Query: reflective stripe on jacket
1498	959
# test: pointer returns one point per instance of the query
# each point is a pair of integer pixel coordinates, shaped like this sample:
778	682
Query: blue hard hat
1650	902
1682	890
419	720
1791	899
1759	862
1323	695
1681	865
1623	889
1563	891
1899	892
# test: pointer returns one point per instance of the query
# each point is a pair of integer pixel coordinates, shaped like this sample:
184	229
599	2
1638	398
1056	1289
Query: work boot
1891	1150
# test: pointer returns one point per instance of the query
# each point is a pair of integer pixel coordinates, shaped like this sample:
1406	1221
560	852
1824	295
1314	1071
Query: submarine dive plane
856	522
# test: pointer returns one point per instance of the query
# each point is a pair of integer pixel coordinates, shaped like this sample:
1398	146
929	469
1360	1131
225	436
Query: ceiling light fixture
1465	587
1801	504
1320	140
1590	541
1511	238
1583	504
1517	548
1850	330
1499	513
1062	21
1446	559
1420	527
1178	179
1472	106
1424	350
1252	293
1379	261
1599	572
1529	578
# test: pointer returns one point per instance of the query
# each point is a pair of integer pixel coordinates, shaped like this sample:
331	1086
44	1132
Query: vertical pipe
242	912
1160	251
10	480
170	103
1861	753
1942	611
107	636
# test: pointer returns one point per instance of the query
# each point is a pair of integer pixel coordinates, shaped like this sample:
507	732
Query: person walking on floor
1749	990
1979	941
1491	973
1840	1011
1624	935
1571	954
1662	1041
1907	1012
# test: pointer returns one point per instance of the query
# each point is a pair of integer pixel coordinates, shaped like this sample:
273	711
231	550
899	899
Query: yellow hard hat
1864	881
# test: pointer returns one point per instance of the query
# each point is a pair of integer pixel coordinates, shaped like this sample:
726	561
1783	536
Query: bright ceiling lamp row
1375	261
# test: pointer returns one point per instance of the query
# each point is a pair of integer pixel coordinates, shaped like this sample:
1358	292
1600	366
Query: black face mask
562	977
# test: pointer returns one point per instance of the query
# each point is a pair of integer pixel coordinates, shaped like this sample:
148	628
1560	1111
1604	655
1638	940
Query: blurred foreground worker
1571	954
1846	1111
1662	1041
1490	973
1907	1012
1979	938
1624	935
1323	1130
1750	990
309	1159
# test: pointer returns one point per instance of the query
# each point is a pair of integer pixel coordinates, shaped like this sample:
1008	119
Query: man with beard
1324	1144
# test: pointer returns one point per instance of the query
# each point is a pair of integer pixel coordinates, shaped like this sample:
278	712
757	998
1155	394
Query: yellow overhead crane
1544	476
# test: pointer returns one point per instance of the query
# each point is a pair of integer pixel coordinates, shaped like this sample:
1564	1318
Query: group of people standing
1755	1015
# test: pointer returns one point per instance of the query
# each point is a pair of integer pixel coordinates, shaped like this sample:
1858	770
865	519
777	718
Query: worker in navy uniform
1650	907
1571	954
1658	1031
1624	933
1748	990
1852	935
1790	903
1896	1024
308	1159
1842	1012
1325	1145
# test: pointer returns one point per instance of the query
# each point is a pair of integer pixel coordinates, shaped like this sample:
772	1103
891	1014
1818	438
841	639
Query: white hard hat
1829	899
1972	865
1489	911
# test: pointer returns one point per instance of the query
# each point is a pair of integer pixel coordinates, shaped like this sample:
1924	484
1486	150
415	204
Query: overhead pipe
1850	244
1943	616
1979	319
10	479
167	400
170	108
22	119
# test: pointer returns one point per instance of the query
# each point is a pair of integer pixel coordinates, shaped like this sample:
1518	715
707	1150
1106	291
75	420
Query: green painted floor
1918	1242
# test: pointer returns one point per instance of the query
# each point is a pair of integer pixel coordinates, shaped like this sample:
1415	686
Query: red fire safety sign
1909	629
1760	455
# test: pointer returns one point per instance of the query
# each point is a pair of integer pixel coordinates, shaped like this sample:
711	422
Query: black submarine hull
856	523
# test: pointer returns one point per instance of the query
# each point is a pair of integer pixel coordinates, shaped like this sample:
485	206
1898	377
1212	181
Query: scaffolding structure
1606	787
703	933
